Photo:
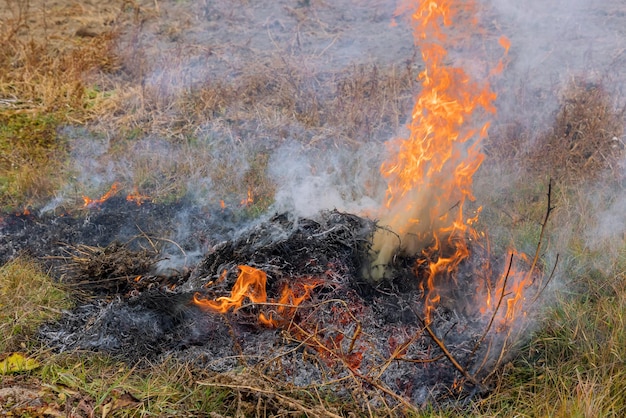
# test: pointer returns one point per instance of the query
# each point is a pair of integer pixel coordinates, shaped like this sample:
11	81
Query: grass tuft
28	297
576	365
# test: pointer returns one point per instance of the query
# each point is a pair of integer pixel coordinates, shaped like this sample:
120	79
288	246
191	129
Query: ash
349	335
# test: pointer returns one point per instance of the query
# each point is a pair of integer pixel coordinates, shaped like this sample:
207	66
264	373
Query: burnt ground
134	300
48	235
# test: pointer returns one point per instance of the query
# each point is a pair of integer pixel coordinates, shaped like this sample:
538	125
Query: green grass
576	364
28	297
167	389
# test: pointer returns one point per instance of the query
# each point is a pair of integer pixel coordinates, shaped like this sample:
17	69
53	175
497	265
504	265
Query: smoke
611	223
553	42
309	181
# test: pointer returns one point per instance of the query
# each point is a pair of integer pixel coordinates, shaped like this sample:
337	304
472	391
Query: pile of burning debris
285	296
418	312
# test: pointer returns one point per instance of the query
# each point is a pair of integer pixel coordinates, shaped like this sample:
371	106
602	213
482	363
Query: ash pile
285	297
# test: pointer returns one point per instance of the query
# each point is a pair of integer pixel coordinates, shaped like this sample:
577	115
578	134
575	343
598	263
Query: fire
249	199
137	197
245	202
429	175
89	203
25	212
251	284
509	290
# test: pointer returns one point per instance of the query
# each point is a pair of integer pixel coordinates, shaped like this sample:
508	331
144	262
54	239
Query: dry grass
42	86
584	143
586	140
219	134
28	297
109	84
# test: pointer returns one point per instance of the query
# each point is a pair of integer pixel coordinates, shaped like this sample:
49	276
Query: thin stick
547	281
397	353
541	234
495	311
448	354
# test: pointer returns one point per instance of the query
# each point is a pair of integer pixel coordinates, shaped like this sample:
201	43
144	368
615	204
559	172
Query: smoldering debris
111	269
286	247
318	321
51	236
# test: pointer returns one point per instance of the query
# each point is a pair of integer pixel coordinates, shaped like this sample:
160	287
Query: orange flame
138	198
249	199
429	175
25	212
506	44
89	203
510	291
251	284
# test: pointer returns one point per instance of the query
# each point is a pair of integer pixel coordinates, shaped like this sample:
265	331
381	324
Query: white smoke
553	41
311	181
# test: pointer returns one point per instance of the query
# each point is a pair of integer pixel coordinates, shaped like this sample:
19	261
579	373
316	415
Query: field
290	106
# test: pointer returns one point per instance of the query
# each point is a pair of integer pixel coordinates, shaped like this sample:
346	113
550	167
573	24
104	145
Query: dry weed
27	298
584	142
586	139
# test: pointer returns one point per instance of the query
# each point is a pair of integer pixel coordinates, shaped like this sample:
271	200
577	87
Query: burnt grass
134	271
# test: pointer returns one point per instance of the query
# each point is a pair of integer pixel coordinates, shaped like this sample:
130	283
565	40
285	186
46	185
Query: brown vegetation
586	140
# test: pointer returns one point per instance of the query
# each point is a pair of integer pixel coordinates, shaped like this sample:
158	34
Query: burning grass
161	131
575	365
304	307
